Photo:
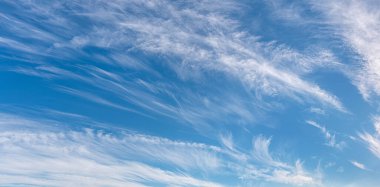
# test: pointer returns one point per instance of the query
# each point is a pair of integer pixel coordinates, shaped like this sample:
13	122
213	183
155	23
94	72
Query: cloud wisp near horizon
88	156
189	93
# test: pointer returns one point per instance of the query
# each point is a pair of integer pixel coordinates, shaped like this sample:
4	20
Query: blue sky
190	93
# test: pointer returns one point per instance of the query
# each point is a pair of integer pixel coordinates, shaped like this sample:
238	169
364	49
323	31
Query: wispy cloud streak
373	140
94	158
358	165
279	171
357	23
201	38
328	135
46	155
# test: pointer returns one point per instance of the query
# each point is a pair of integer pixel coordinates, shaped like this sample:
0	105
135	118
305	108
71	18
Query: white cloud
329	136
202	37
275	170
16	45
261	152
228	53
358	165
96	99
297	177
77	170
376	121
358	23
227	141
317	111
42	154
372	140
93	158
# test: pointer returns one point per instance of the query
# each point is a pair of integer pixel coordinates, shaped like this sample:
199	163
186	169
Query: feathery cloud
373	140
44	155
358	24
201	38
358	165
329	136
278	171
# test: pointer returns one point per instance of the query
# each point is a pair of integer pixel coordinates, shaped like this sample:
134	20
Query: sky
266	93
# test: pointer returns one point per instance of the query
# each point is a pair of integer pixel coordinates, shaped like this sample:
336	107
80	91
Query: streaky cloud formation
328	136
373	140
357	22
189	93
94	157
279	171
220	47
358	165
